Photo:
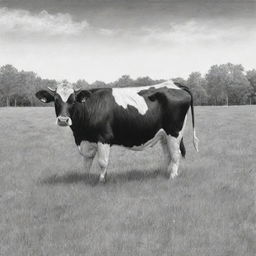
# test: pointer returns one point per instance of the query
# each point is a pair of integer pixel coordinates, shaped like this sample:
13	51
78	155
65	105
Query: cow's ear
154	96
83	95
44	96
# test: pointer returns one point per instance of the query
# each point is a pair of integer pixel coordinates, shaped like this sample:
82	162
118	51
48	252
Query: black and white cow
134	117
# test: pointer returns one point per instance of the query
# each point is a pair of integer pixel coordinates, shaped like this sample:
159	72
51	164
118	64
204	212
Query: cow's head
65	98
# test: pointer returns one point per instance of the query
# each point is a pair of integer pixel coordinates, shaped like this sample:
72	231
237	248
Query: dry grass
49	206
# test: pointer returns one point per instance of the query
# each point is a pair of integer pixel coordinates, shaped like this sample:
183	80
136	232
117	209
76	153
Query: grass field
49	206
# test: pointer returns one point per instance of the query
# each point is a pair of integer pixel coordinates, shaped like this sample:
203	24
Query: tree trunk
15	102
7	101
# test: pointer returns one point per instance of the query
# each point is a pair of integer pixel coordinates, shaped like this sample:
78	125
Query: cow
132	117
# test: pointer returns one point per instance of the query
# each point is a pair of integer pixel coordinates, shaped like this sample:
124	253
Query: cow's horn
51	89
77	89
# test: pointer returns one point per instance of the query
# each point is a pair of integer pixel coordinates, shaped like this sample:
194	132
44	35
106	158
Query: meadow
50	206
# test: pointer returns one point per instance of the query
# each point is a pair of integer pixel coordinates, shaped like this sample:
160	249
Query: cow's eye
70	101
57	102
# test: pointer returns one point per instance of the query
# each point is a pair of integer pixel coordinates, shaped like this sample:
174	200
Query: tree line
225	84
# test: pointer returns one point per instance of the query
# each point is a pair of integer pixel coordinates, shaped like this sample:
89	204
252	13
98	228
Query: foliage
227	84
197	84
251	76
19	88
223	84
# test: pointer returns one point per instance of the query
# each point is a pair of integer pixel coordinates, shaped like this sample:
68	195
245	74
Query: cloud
107	31
23	21
197	31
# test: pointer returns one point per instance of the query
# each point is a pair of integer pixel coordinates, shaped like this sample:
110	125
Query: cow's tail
195	139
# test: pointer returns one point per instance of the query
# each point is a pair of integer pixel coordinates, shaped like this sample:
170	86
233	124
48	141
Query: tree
197	84
227	84
123	81
144	81
26	88
180	80
8	83
98	84
82	84
251	76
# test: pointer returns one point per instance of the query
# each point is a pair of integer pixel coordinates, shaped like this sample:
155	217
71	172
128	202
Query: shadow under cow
93	179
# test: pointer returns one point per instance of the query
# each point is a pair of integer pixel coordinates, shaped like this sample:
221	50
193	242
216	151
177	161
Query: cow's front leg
103	159
88	151
173	146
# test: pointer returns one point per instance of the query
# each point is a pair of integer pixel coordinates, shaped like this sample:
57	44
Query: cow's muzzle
64	121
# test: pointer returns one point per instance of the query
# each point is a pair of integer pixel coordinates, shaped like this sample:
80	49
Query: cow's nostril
64	121
63	118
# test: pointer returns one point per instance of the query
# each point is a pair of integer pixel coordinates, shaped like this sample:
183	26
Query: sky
105	39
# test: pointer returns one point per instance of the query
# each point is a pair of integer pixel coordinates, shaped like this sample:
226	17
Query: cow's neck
80	116
80	120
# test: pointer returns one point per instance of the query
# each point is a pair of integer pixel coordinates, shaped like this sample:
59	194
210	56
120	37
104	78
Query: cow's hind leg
103	159
172	153
88	151
173	146
176	148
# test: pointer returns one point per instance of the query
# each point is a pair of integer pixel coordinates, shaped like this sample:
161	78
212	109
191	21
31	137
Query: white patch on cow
69	121
103	158
174	148
64	90
173	145
87	149
195	141
130	96
183	128
103	150
169	84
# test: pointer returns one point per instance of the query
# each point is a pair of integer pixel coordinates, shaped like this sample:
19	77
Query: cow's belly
132	129
150	143
132	137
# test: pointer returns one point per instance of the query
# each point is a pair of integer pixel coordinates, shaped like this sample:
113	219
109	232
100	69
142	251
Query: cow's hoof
173	175
102	178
